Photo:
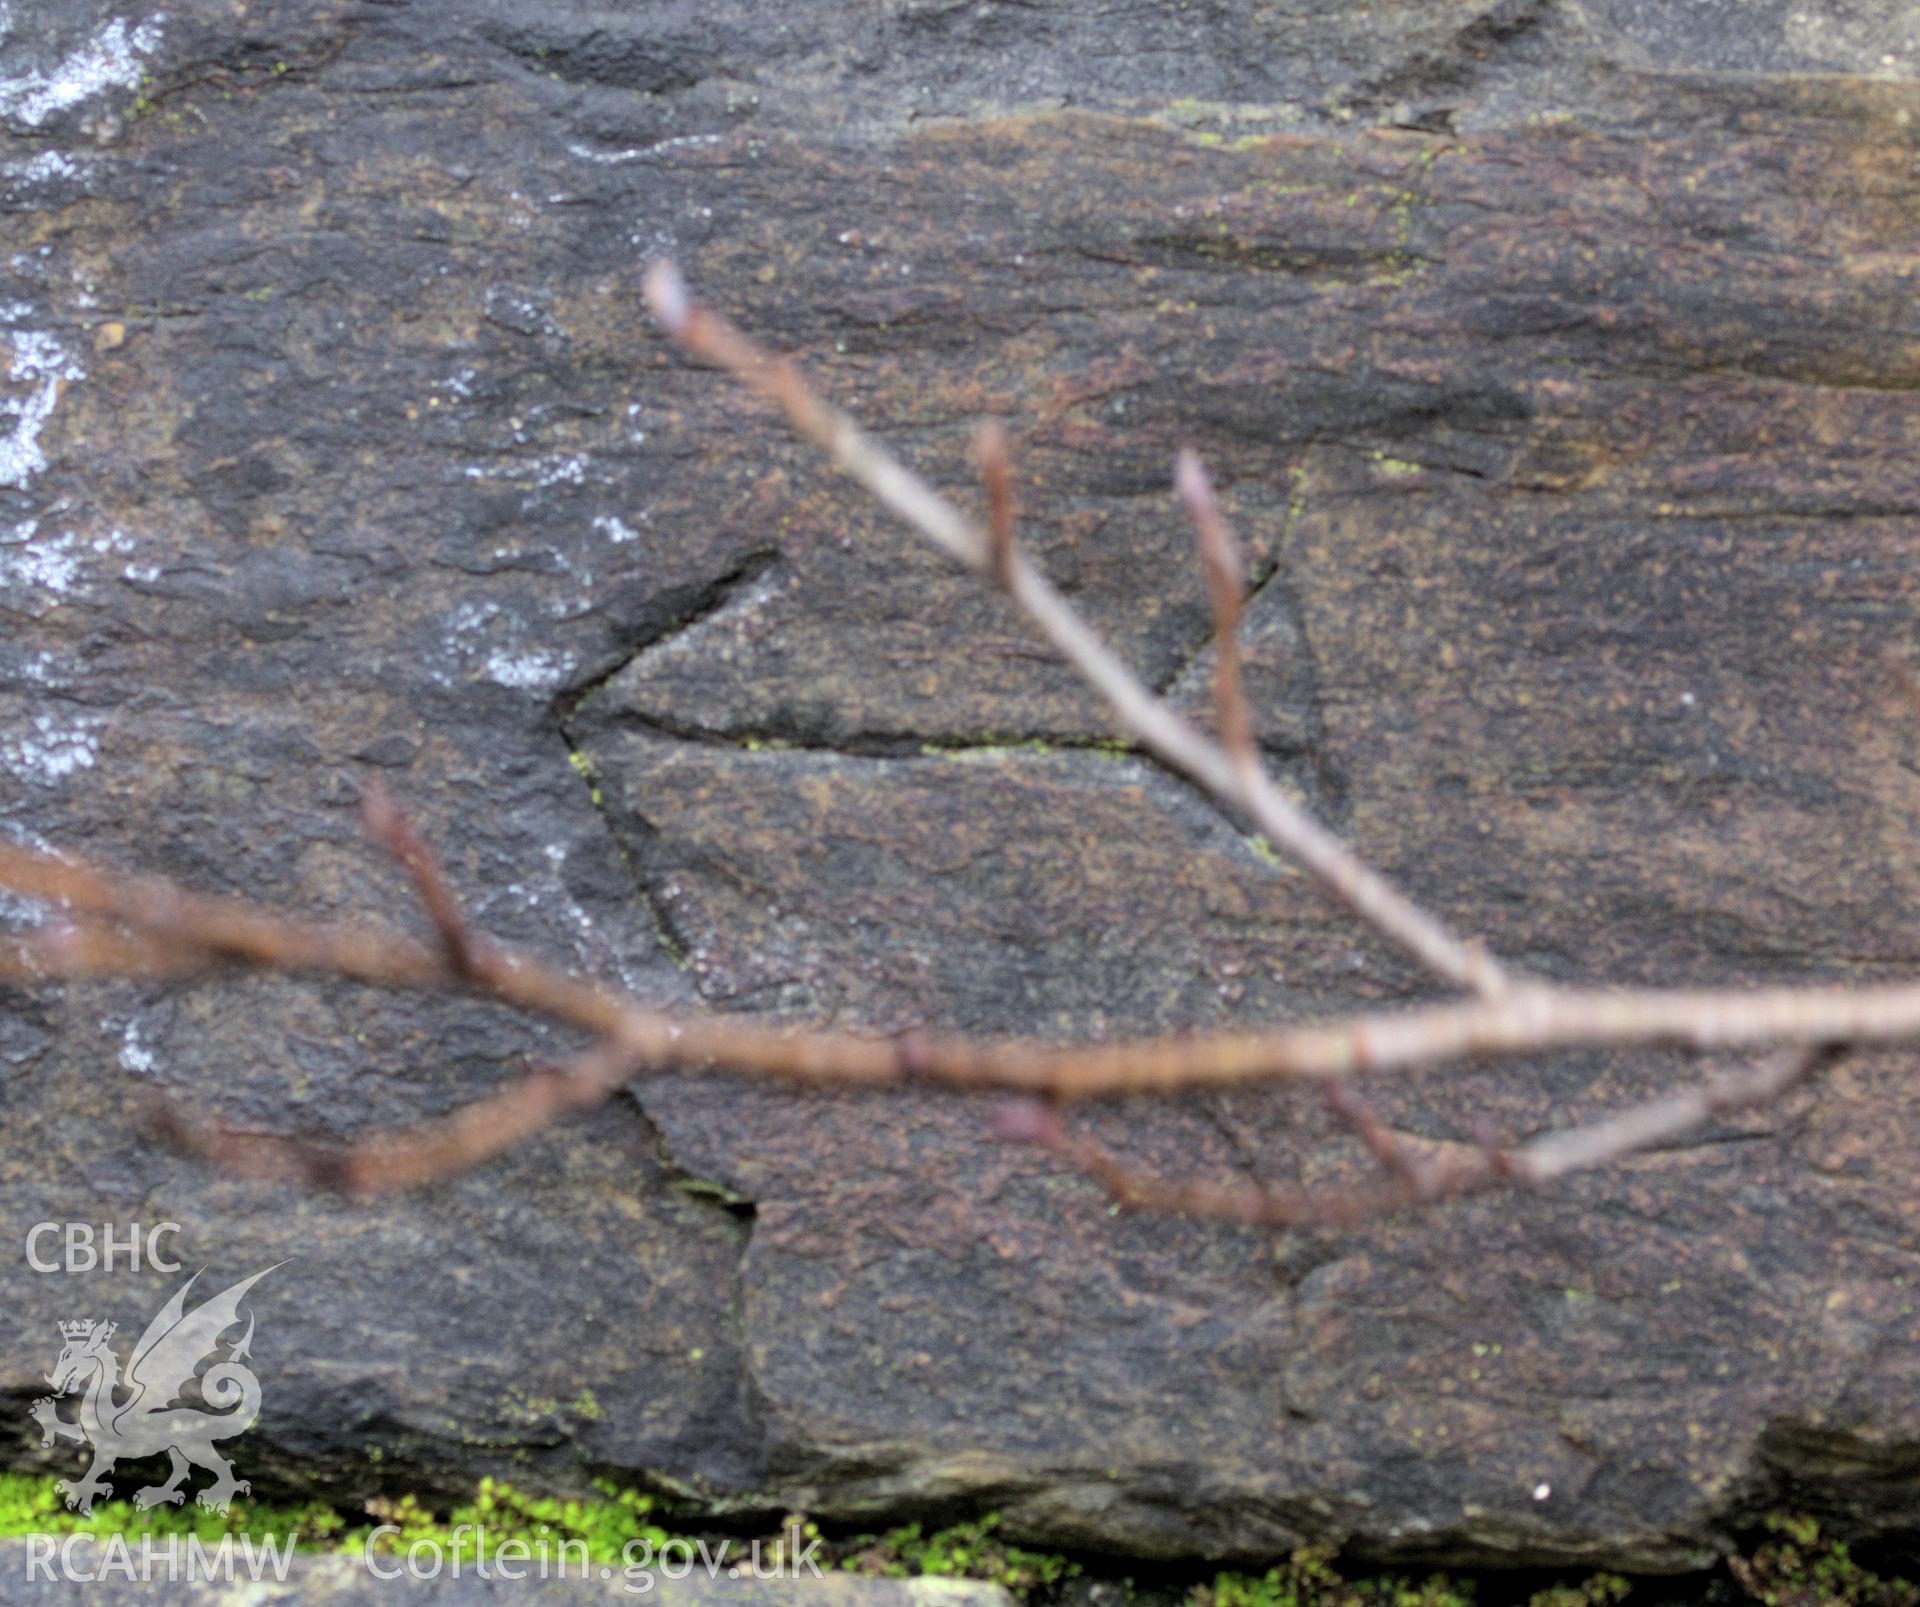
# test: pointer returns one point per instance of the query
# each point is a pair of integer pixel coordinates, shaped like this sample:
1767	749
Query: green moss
498	1513
1796	1565
34	1505
701	1188
1800	1567
606	1524
966	1551
1309	1578
583	767
1600	1591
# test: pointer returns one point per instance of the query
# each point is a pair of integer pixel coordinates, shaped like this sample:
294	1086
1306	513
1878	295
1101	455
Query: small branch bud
912	1047
391	829
1352	1110
667	297
1027	1121
1227	586
996	473
1906	683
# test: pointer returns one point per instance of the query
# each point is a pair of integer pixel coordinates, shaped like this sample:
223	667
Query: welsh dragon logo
135	1416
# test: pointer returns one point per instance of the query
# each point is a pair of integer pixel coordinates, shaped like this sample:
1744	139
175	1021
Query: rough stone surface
1559	365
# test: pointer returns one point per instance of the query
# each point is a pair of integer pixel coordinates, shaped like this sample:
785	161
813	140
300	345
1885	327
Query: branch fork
107	924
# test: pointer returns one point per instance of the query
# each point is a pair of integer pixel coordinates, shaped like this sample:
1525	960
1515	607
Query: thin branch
209	933
196	932
1344	1101
1227	586
474	1133
108	924
1413	1182
996	472
1225	570
79	949
1249	792
1030	1121
388	827
1661	1121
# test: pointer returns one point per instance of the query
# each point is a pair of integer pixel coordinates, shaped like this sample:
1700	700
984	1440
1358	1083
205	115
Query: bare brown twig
115	925
106	924
204	934
1227	586
1409	1181
474	1133
467	957
996	471
1247	791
